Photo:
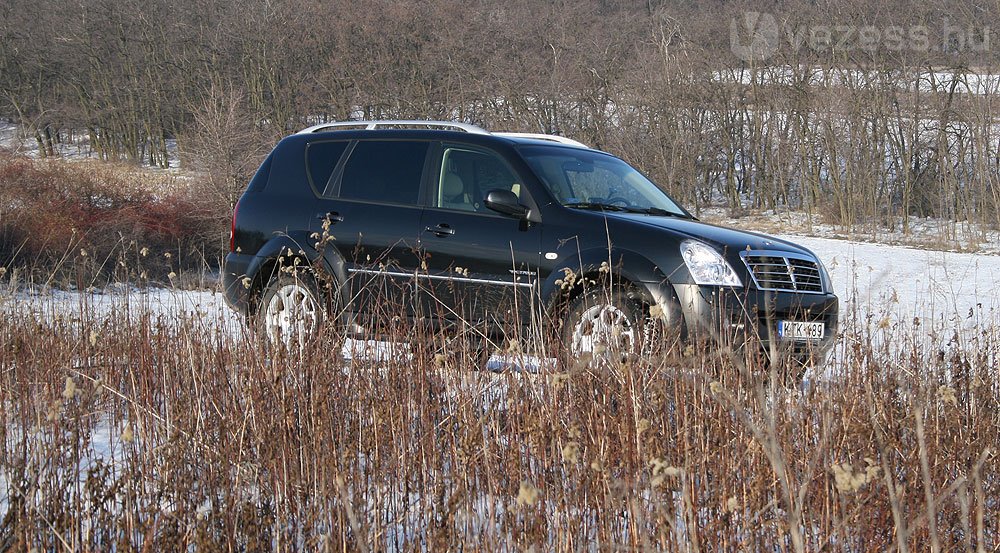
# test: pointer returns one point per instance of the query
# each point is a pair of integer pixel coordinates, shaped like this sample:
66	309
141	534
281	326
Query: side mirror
505	201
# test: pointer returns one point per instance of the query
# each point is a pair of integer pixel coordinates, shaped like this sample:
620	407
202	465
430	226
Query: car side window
321	161
467	175
386	171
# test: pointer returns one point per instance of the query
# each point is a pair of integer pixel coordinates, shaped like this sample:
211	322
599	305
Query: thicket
854	131
84	224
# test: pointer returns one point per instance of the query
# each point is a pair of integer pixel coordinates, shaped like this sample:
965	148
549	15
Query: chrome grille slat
784	271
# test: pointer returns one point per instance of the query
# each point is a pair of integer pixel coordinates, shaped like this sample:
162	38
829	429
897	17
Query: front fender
621	263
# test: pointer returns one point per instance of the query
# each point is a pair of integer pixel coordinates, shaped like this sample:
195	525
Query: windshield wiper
628	209
597	206
660	211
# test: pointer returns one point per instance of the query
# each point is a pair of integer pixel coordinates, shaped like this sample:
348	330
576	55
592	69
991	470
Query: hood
731	241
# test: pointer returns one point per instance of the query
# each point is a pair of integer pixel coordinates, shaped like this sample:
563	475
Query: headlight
826	276
707	266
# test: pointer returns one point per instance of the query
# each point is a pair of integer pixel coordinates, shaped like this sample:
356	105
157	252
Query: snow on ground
16	138
878	279
903	282
921	232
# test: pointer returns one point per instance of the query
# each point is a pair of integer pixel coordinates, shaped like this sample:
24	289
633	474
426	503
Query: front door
479	265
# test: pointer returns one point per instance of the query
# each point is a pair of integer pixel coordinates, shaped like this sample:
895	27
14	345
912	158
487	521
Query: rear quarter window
387	171
261	176
321	162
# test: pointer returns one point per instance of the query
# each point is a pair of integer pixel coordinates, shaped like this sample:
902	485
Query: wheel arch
598	266
295	250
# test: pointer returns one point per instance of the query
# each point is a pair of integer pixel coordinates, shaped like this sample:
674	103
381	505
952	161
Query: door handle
441	230
333	216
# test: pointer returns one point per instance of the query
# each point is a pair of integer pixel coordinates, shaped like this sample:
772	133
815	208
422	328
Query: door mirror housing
506	202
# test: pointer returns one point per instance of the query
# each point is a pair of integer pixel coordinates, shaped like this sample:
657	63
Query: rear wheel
290	313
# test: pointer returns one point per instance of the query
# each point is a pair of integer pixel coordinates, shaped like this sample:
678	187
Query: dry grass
136	430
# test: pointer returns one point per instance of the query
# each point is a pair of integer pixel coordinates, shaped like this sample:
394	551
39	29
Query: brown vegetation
206	442
85	223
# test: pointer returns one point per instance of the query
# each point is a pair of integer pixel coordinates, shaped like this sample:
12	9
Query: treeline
859	112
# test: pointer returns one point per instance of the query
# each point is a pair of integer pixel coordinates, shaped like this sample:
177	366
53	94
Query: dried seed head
528	494
848	481
53	413
513	347
559	379
128	435
171	275
168	255
93	338
246	282
69	391
571	452
655	311
643	426
661	468
732	505
716	387
83	253
439	359
144	252
947	395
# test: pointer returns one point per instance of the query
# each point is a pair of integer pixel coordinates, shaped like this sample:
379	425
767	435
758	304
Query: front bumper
740	316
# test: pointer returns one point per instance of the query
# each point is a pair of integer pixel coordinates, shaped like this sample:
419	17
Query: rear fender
284	249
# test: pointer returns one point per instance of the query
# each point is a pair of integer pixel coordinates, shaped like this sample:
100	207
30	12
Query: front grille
784	272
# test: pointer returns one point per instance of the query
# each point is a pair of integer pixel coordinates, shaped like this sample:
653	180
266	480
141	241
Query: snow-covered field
896	281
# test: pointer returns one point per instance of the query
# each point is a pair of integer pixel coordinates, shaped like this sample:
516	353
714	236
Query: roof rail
372	125
539	136
455	125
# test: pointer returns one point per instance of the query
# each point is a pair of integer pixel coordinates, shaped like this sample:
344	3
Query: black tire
291	311
604	325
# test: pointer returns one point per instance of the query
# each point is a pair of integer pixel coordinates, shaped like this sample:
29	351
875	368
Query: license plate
795	330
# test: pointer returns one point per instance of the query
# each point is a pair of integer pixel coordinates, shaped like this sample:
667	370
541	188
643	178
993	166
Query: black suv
460	225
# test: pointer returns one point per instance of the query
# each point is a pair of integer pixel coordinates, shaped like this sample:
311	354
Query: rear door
372	202
480	265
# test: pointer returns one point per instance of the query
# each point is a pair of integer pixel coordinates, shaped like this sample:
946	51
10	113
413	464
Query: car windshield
593	180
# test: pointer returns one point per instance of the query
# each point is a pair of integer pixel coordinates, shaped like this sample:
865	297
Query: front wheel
290	312
605	325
